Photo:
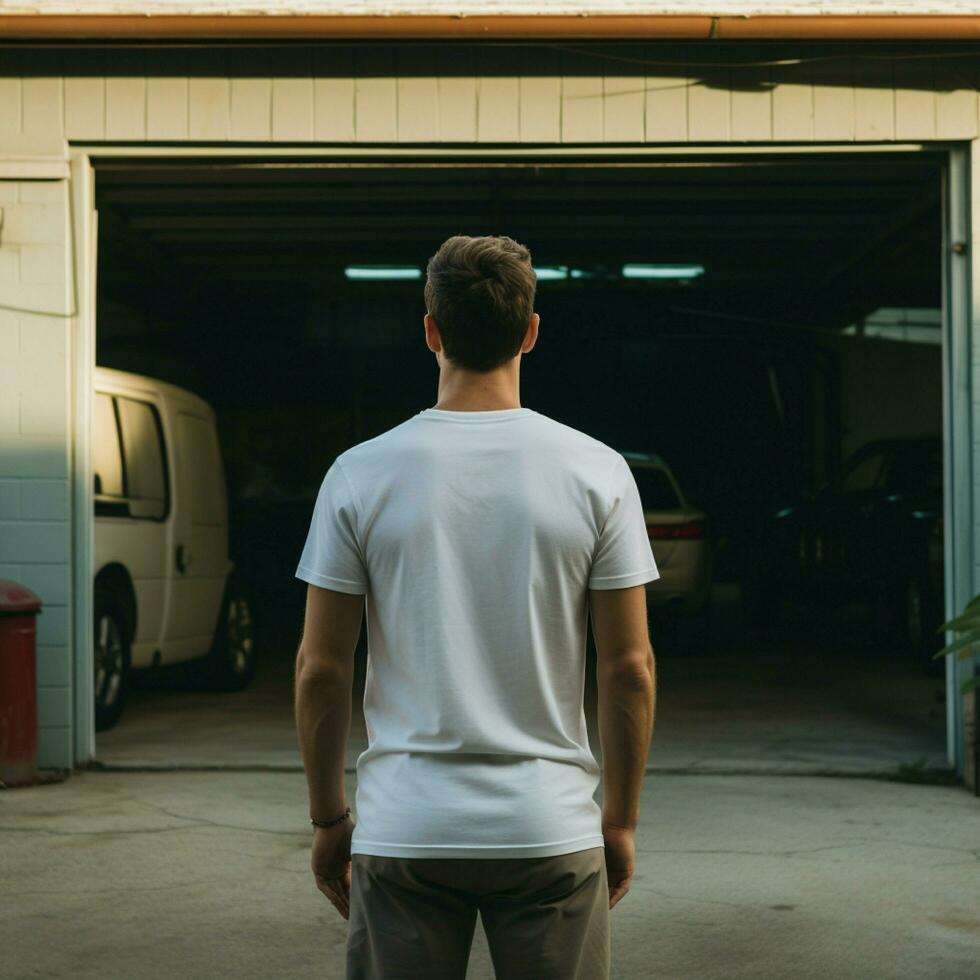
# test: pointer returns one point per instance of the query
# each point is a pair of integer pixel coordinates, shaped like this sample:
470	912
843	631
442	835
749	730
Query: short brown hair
480	291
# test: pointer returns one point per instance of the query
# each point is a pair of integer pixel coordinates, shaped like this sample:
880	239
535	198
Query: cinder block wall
35	535
384	94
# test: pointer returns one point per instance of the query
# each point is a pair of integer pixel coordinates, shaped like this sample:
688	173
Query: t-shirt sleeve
624	555
332	557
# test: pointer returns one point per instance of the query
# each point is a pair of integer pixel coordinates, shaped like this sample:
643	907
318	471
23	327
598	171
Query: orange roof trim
496	19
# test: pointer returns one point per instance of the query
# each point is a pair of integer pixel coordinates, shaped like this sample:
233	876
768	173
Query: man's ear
432	339
531	337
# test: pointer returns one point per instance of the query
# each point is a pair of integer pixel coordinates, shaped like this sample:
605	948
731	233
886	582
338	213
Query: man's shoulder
388	439
569	434
350	459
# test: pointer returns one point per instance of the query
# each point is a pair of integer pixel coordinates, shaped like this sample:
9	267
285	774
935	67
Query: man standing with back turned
479	534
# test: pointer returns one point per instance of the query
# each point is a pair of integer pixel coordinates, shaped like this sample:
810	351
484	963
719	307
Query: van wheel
231	662
111	660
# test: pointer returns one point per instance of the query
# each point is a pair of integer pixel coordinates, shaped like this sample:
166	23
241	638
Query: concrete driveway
157	875
810	695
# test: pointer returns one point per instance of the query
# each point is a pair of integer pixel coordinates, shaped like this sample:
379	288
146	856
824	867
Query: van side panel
200	536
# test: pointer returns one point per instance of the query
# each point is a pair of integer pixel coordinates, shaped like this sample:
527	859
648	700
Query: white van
165	589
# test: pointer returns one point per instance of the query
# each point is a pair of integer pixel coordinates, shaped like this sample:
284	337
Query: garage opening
760	335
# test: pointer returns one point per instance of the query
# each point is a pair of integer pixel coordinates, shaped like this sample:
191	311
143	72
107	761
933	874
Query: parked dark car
869	535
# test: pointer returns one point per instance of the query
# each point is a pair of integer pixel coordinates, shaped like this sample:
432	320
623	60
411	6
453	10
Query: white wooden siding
362	105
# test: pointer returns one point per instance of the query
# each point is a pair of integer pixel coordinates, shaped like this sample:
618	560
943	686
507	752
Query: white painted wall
34	440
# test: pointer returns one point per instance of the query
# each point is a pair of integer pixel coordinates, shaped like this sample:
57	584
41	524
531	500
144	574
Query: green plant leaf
965	621
964	642
969	684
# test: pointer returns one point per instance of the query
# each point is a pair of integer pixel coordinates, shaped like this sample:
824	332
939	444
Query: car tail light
672	532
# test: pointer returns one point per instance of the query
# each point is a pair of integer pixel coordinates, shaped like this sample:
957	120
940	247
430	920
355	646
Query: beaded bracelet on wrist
331	823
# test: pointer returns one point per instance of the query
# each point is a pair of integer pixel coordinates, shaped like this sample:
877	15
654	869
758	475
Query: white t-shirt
475	537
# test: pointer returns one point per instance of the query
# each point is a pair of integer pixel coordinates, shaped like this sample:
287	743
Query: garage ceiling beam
648	193
421	223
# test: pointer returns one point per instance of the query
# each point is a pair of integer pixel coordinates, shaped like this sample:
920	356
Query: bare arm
626	680
324	680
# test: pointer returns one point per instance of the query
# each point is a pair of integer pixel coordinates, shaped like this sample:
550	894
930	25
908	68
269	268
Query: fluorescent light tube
383	272
551	271
640	270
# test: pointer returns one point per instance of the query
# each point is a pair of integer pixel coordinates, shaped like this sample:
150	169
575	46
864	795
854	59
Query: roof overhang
490	19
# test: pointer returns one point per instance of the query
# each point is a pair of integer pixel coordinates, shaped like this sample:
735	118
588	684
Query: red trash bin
18	684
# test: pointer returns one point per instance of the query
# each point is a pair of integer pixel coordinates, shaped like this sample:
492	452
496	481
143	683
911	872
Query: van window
106	455
201	466
146	483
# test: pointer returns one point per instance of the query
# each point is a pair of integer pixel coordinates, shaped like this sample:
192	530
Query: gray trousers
545	918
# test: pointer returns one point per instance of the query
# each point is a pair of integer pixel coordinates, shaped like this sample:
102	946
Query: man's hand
620	860
331	863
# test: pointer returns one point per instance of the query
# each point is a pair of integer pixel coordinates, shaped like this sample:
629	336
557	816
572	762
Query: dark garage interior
801	325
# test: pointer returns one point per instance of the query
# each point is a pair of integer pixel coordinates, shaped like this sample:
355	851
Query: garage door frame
958	271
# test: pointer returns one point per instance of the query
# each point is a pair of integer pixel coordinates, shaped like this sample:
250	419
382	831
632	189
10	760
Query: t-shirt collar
491	415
